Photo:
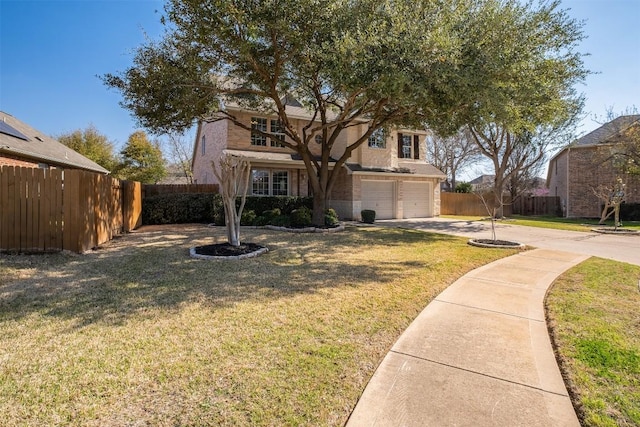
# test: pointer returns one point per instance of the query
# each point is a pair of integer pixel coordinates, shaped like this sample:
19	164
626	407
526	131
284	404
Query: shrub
630	212
301	217
248	217
281	221
180	208
368	216
331	218
463	187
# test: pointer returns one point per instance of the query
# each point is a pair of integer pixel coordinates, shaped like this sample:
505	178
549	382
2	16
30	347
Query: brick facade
346	194
577	170
14	161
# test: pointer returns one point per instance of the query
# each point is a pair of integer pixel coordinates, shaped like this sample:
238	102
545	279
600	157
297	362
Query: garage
378	196
417	198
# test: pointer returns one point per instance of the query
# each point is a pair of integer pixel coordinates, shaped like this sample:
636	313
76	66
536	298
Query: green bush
464	187
206	207
368	216
301	217
248	217
180	208
331	218
280	221
630	212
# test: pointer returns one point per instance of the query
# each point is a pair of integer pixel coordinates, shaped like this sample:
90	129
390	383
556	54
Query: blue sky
52	52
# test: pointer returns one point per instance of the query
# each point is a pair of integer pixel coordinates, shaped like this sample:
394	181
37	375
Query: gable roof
608	130
20	140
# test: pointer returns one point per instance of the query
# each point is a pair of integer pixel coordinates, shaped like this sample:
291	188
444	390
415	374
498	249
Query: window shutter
400	156
416	147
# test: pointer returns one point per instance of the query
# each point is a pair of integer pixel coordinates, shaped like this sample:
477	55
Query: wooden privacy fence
155	189
467	204
537	205
55	209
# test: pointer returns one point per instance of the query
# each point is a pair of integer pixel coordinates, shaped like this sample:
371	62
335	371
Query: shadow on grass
151	269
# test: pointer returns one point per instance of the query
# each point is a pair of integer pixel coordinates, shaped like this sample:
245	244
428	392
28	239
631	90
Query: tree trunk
319	206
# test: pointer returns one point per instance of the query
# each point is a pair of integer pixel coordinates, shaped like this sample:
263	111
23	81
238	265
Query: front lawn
138	333
593	312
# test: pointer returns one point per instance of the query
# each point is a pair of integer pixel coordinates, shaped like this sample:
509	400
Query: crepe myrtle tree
362	63
233	173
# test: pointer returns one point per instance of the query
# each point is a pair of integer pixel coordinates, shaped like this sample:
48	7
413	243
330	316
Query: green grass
570	224
139	333
593	313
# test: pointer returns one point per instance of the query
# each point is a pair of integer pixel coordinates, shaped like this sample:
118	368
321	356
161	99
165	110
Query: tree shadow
151	270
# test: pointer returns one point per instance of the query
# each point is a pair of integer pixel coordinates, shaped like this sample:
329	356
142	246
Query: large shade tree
142	160
518	70
93	145
350	63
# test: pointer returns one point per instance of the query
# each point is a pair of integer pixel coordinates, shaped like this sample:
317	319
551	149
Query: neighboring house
580	167
483	182
388	174
22	145
175	176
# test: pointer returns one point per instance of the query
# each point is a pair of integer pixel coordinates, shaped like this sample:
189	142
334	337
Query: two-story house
388	174
583	166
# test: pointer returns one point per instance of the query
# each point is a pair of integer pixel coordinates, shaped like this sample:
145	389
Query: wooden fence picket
55	209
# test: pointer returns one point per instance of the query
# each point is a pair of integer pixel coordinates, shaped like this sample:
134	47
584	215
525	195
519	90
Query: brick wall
14	161
588	169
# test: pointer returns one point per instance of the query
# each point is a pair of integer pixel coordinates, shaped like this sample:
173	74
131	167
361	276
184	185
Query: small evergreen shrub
331	218
280	221
368	216
248	217
301	217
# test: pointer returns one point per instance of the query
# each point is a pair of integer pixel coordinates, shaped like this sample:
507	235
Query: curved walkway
480	354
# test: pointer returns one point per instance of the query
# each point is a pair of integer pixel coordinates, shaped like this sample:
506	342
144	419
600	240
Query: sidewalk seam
491	311
477	373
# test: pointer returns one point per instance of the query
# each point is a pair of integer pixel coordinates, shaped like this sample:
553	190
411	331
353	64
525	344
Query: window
203	143
260	182
258	124
278	130
269	183
408	146
280	183
377	139
318	139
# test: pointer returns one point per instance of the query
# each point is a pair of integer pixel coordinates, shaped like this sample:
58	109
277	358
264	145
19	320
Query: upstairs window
377	139
203	144
408	146
278	130
258	124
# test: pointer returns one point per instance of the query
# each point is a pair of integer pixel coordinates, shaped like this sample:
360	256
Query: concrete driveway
616	247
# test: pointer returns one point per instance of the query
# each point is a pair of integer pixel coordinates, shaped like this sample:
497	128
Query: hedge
182	208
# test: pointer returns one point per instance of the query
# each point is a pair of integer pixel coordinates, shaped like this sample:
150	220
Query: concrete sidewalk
478	355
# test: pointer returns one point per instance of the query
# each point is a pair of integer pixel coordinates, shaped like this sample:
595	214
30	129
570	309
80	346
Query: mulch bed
225	249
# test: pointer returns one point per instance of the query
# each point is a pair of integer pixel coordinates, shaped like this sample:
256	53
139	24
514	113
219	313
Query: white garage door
416	199
378	196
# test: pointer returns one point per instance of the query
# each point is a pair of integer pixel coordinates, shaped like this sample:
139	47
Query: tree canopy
443	63
93	145
142	160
